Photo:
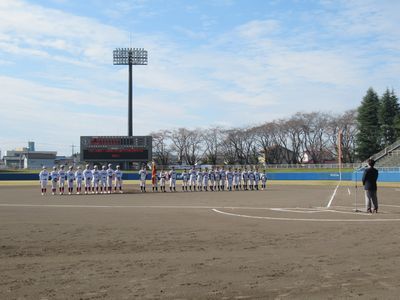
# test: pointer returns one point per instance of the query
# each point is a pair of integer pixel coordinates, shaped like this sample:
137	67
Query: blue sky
211	63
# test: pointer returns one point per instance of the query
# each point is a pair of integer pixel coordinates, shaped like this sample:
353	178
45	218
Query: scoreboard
116	148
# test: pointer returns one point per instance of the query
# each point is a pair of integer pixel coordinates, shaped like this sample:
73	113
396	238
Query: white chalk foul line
305	220
333	195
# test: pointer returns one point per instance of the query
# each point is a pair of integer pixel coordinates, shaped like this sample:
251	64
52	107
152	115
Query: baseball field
291	241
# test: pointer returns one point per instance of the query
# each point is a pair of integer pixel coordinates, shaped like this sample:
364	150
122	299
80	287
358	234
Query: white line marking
307	220
217	210
301	211
348	190
333	195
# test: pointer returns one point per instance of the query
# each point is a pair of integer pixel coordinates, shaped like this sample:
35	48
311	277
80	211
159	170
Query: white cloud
258	29
253	72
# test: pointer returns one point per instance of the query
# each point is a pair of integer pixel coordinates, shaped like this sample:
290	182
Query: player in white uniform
96	179
110	178
103	180
245	179
43	178
205	179
193	176
229	179
217	184
263	177
118	180
163	177
240	178
222	173
211	176
199	180
256	178
88	176
172	180
70	180
251	179
236	179
79	179
142	177
185	179
61	179
54	179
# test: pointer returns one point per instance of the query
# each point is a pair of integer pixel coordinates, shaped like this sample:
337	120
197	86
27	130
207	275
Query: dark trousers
371	197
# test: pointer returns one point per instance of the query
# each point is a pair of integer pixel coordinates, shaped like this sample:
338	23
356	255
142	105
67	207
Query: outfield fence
384	176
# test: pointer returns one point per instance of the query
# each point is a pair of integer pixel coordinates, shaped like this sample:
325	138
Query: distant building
26	158
13	159
277	155
38	159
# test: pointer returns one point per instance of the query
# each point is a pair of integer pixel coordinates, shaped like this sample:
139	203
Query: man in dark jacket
369	179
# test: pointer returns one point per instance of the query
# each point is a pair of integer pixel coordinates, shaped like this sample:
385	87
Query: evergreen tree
388	114
368	137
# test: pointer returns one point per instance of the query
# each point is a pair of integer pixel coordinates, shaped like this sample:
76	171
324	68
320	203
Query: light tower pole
130	57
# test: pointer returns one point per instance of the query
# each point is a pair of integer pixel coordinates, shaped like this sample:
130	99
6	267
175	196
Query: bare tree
161	148
315	134
212	138
347	123
240	146
194	151
180	138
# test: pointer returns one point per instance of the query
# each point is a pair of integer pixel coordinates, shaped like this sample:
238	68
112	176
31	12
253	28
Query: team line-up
109	181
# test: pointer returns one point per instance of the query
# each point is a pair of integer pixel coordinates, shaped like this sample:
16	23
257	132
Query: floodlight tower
130	57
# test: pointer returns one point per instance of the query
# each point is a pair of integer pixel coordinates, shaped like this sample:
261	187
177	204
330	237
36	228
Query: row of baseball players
104	180
203	179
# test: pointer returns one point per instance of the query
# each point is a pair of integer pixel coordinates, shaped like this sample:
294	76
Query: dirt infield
280	243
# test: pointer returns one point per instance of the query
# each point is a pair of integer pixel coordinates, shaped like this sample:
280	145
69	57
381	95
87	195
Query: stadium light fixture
130	57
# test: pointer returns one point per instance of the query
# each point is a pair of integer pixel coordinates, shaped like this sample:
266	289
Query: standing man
217	183
222	174
110	178
193	177
70	180
205	179
96	179
369	179
118	180
199	180
211	175
79	179
54	178
250	175
103	180
172	179
154	178
163	177
229	179
185	179
61	177
263	177
142	177
256	178
43	177
245	177
88	176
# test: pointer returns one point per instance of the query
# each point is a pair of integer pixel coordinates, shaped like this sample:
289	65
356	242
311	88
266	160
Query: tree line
302	138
